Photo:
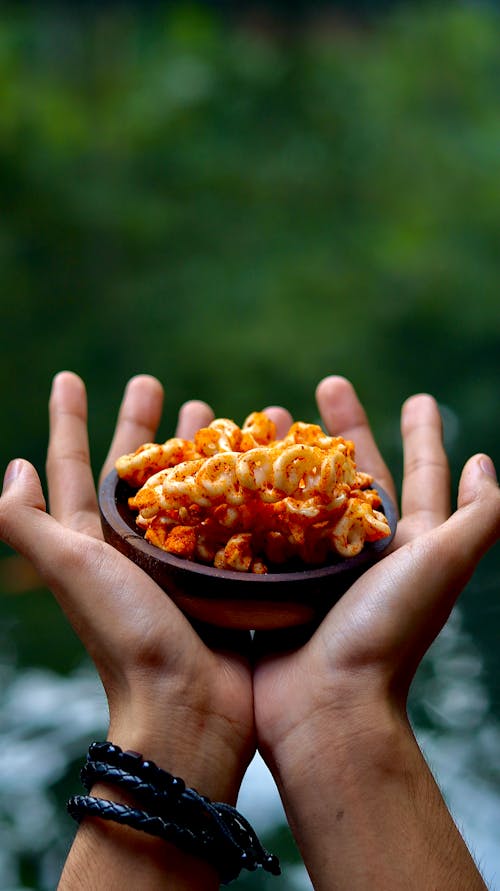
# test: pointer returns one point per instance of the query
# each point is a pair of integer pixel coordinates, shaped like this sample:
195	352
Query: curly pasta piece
149	458
239	499
260	427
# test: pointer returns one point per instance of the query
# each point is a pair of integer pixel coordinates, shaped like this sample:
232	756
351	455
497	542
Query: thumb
412	591
477	476
479	496
21	504
21	475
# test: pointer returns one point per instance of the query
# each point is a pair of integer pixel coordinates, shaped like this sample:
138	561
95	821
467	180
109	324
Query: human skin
184	704
328	709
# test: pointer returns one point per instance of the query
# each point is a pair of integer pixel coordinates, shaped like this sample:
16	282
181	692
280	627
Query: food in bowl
238	498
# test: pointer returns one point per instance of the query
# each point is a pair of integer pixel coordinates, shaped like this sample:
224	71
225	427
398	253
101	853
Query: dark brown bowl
278	599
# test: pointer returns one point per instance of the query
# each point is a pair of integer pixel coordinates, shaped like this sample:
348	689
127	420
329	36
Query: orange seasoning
240	499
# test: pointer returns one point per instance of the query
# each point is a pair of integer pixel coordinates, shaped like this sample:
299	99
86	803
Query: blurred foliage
242	210
241	215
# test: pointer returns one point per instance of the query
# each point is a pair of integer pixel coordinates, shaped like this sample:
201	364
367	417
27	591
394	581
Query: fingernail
487	466
12	472
56	381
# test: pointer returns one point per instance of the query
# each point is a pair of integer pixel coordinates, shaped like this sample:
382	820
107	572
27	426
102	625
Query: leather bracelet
195	844
143	790
214	831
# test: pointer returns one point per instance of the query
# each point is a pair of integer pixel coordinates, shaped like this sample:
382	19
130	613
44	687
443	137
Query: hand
380	629
331	711
184	704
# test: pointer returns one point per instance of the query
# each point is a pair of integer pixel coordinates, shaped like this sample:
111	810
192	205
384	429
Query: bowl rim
108	498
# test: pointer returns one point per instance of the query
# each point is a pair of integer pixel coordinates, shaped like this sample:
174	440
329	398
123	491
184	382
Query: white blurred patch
47	721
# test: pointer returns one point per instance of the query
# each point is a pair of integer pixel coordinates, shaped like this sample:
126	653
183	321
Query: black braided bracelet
198	844
214	831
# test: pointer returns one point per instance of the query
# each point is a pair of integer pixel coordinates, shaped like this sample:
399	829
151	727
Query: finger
281	417
476	523
24	523
343	415
19	468
478	476
445	558
138	418
193	415
21	502
426	480
72	496
409	595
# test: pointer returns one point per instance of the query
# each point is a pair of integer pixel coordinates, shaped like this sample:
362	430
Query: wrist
363	805
198	725
109	855
344	739
192	747
343	716
135	793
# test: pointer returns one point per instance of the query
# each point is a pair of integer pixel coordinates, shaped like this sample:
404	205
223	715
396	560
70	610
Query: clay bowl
289	596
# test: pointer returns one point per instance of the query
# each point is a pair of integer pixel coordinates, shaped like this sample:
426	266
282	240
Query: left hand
181	702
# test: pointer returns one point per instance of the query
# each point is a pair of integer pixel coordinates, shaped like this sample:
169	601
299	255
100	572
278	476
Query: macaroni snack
240	499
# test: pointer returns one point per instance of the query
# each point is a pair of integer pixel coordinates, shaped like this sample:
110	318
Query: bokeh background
241	199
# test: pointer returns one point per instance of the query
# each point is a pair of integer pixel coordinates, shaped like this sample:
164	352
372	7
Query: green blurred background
241	200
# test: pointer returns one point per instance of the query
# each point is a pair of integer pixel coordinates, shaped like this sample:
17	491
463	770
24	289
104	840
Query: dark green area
241	212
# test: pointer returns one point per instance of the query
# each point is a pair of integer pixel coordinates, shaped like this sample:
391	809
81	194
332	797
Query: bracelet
214	831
